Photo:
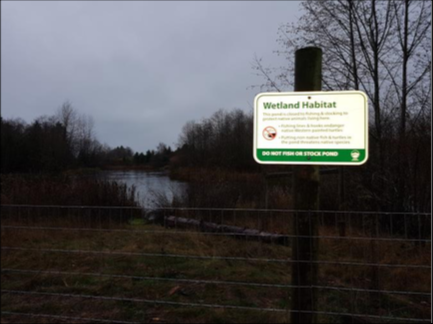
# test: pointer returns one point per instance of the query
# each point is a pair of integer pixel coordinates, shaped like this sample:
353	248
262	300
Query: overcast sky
141	69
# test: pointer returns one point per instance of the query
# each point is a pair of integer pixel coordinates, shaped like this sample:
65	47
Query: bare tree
380	47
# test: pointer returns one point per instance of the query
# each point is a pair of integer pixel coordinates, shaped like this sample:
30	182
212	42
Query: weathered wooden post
308	77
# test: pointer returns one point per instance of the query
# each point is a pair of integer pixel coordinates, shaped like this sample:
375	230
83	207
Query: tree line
380	47
223	140
384	49
63	141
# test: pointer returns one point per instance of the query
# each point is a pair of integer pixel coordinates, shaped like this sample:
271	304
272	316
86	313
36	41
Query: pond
152	188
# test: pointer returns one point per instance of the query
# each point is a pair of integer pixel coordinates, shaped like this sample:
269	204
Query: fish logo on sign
269	133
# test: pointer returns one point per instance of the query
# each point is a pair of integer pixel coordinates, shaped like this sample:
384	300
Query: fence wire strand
203	305
362	236
66	318
176	232
210	282
217	257
258	210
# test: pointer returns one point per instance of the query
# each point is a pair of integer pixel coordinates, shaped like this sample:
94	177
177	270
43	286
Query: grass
198	244
140	266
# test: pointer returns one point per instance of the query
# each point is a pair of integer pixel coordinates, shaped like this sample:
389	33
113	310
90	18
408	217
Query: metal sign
321	128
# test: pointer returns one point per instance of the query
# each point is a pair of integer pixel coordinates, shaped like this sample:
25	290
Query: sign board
320	128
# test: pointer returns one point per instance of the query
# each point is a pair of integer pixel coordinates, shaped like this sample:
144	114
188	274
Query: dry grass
141	266
63	189
404	279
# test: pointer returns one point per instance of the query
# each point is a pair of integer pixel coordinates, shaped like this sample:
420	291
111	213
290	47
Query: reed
44	189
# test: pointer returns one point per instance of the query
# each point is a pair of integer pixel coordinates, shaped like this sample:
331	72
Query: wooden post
308	77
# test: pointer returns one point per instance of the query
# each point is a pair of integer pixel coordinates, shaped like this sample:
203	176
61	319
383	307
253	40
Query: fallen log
229	230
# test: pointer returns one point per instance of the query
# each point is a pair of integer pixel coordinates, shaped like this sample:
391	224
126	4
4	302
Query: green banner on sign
312	155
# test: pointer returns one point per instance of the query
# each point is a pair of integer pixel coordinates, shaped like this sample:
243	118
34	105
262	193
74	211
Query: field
85	269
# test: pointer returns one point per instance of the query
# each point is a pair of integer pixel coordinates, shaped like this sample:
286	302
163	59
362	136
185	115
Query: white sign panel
322	128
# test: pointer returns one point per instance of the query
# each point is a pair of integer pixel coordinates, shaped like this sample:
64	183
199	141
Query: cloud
141	69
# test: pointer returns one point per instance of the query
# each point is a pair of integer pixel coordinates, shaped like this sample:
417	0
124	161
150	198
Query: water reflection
151	187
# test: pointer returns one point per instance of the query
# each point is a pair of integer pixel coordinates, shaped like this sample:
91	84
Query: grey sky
141	69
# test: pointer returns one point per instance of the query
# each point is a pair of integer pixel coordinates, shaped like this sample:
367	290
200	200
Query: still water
153	189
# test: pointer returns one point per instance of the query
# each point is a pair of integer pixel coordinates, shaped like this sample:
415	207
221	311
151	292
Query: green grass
180	268
162	267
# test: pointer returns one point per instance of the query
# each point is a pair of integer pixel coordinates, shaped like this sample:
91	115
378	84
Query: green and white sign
322	128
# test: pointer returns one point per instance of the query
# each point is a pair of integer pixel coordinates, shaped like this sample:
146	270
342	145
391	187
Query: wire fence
128	265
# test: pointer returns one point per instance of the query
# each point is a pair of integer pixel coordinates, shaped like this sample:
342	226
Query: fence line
202	305
147	301
213	282
226	258
364	237
220	209
60	317
108	230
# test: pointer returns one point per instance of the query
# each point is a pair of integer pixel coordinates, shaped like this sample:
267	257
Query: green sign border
310	155
322	156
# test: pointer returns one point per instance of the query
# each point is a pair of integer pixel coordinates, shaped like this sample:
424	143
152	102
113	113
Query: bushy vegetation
380	47
37	189
211	152
223	141
384	49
